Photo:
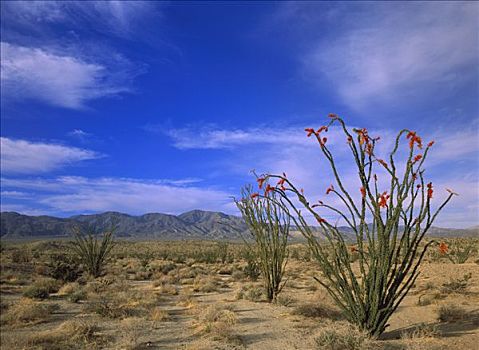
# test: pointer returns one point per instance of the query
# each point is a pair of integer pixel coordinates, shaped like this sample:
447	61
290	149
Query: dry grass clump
132	327
69	288
285	300
339	336
42	288
450	313
456	285
159	315
27	311
169	289
317	311
251	293
217	320
422	330
205	284
186	299
69	334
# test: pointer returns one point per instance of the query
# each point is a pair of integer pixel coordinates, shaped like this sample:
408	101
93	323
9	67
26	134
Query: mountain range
195	224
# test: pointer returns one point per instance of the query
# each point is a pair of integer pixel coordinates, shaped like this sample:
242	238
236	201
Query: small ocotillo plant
389	219
91	251
268	225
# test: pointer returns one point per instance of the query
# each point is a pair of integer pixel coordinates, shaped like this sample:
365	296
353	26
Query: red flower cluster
413	138
268	189
429	190
430	144
260	181
330	189
443	248
333	116
310	131
363	135
383	200
417	158
321	221
254	195
363	192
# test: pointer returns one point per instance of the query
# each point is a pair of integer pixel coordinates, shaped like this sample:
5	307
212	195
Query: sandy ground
266	326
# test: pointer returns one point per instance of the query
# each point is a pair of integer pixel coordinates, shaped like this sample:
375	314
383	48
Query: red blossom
310	131
383	200
254	195
321	220
443	248
418	186
323	128
323	141
369	149
413	138
414	176
330	189
261	181
281	181
363	135
417	158
350	139
354	249
268	189
430	144
363	192
429	190
333	116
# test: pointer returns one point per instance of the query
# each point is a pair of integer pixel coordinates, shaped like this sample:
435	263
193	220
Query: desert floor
155	303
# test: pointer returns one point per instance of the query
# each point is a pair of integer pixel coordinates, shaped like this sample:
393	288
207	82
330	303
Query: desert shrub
217	320
77	296
450	313
238	275
205	284
159	315
459	251
285	300
339	337
21	255
268	224
456	285
27	311
92	252
251	269
69	334
110	307
36	292
42	288
422	330
389	215
251	293
63	267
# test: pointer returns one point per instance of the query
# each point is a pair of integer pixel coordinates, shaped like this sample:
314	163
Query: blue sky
166	106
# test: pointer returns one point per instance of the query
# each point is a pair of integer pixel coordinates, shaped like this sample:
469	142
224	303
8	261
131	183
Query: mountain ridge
194	224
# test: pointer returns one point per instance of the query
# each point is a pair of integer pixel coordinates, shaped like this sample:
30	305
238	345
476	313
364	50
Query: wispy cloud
25	157
289	150
36	73
137	196
120	18
392	53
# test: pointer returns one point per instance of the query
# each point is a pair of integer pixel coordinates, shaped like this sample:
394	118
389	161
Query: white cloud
21	156
394	52
288	149
135	196
57	79
119	18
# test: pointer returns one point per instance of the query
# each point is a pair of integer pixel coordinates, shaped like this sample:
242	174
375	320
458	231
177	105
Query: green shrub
36	292
92	252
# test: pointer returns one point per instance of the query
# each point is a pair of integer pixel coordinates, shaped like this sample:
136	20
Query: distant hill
195	224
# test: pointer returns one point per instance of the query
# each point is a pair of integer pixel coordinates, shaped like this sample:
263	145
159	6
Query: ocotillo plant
92	252
268	224
389	225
